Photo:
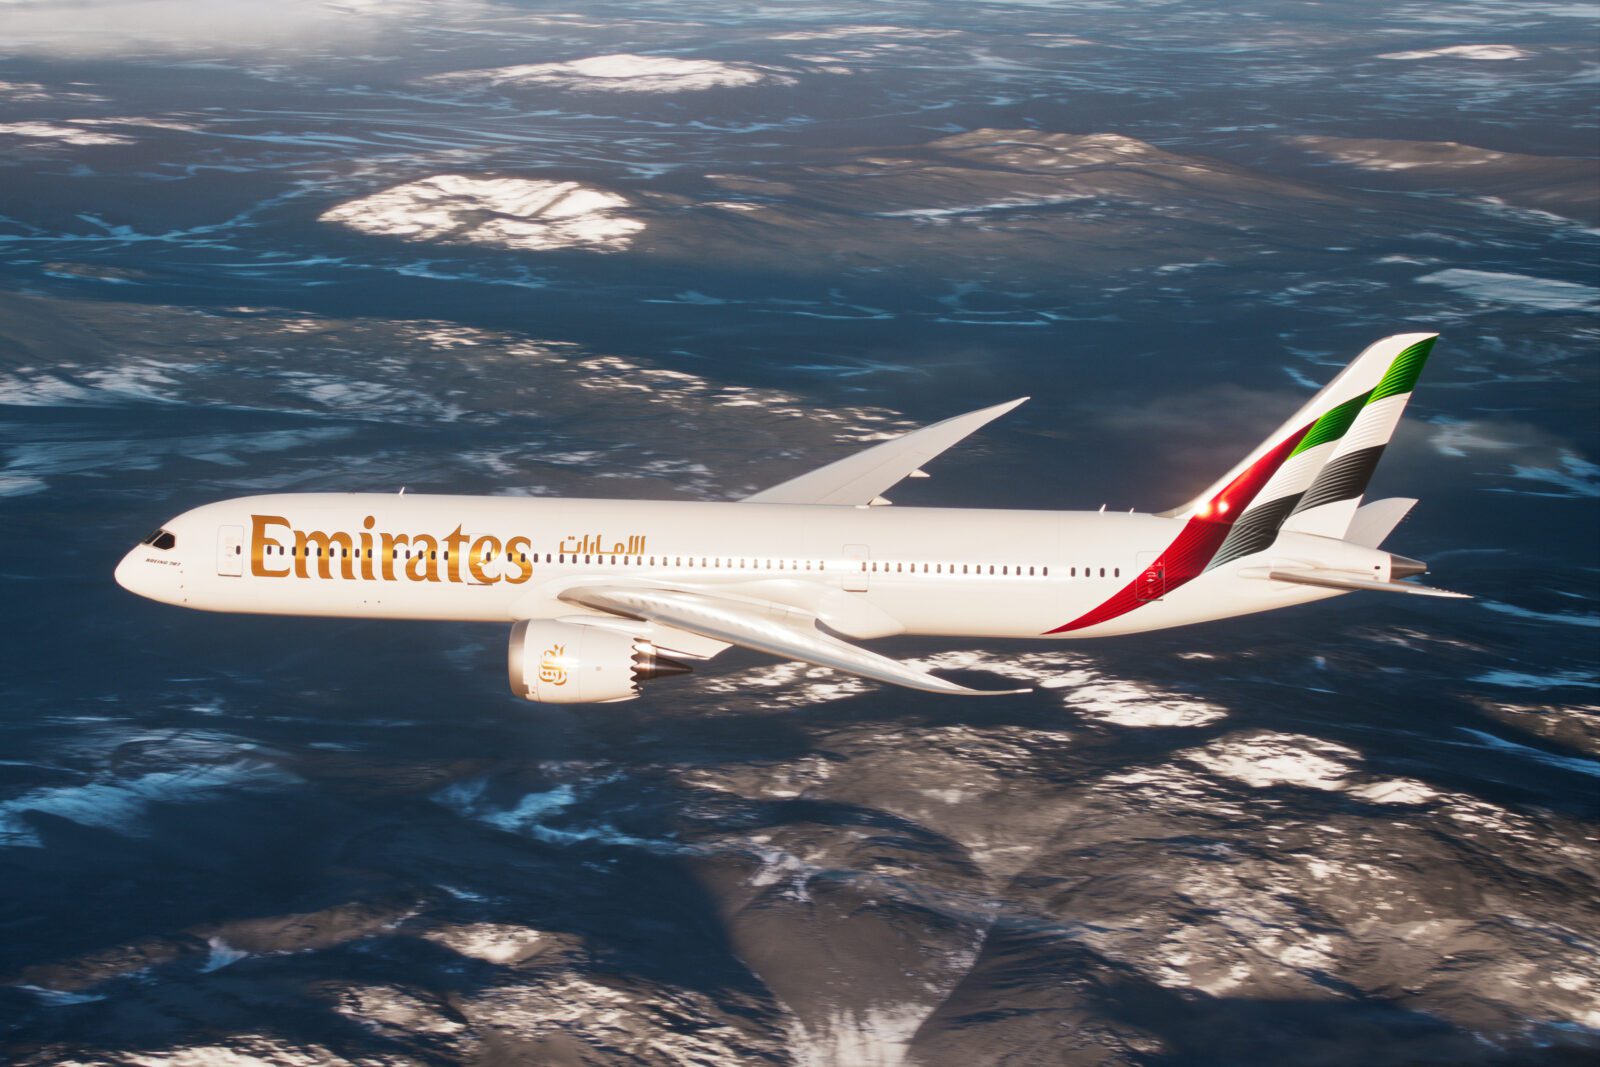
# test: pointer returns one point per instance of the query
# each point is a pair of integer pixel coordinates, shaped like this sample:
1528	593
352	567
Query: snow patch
1498	287
830	33
56	998
874	1037
120	805
1552	680
530	815
623	73
1486	52
516	213
1278	759
222	955
490	942
1125	703
20	485
1396	791
44	131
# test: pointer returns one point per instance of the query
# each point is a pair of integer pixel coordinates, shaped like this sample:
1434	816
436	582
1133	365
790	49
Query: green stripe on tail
1404	371
1332	425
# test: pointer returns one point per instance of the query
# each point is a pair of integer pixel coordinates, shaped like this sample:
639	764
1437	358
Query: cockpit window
160	539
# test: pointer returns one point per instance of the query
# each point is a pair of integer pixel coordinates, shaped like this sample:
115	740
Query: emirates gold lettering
553	665
377	555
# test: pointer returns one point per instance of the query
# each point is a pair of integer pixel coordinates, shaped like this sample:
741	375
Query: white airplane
602	595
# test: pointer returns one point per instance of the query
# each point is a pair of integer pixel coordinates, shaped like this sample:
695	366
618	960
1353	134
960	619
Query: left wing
762	626
859	479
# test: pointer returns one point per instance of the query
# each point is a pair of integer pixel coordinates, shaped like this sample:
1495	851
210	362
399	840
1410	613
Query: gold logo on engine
553	665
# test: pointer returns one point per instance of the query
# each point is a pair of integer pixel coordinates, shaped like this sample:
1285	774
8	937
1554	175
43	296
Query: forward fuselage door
230	551
857	560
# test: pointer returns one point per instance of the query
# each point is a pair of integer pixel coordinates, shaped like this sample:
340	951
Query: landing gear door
855	568
230	551
1152	581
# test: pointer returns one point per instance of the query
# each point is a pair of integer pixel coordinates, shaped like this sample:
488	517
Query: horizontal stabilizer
1356	582
1375	521
862	478
762	627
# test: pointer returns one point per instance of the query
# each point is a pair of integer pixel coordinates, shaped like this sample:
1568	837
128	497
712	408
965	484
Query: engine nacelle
571	663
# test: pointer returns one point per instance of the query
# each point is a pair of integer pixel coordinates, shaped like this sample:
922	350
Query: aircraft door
1152	581
230	551
856	558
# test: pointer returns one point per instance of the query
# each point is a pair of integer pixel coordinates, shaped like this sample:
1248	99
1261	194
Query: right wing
762	626
859	479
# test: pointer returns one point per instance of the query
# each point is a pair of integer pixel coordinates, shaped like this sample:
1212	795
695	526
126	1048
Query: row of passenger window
711	562
1002	570
717	563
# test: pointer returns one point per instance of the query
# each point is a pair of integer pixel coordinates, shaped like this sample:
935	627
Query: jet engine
573	663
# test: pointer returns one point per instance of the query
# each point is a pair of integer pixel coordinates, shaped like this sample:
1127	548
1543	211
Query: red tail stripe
1197	542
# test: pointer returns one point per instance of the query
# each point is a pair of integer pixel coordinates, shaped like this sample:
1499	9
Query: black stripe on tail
1343	478
1255	530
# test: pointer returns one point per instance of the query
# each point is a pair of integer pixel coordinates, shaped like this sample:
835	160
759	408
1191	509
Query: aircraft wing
861	479
762	626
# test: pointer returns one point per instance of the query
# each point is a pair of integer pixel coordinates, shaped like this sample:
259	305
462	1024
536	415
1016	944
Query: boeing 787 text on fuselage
604	594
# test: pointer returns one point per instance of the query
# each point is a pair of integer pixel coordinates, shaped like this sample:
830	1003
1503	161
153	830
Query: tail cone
1404	567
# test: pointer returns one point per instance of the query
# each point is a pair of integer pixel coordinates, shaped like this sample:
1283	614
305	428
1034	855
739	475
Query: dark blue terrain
686	250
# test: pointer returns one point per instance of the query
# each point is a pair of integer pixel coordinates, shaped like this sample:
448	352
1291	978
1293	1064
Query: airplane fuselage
863	571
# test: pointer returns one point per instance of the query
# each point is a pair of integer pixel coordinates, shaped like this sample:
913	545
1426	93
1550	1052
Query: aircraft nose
124	573
134	574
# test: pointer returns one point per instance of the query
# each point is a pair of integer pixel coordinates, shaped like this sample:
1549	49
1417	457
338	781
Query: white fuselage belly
928	571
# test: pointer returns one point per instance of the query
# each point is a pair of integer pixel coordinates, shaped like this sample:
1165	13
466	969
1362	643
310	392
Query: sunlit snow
622	73
517	213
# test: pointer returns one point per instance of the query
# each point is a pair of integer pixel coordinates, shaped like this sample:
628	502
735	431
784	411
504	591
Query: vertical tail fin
1330	502
1311	473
